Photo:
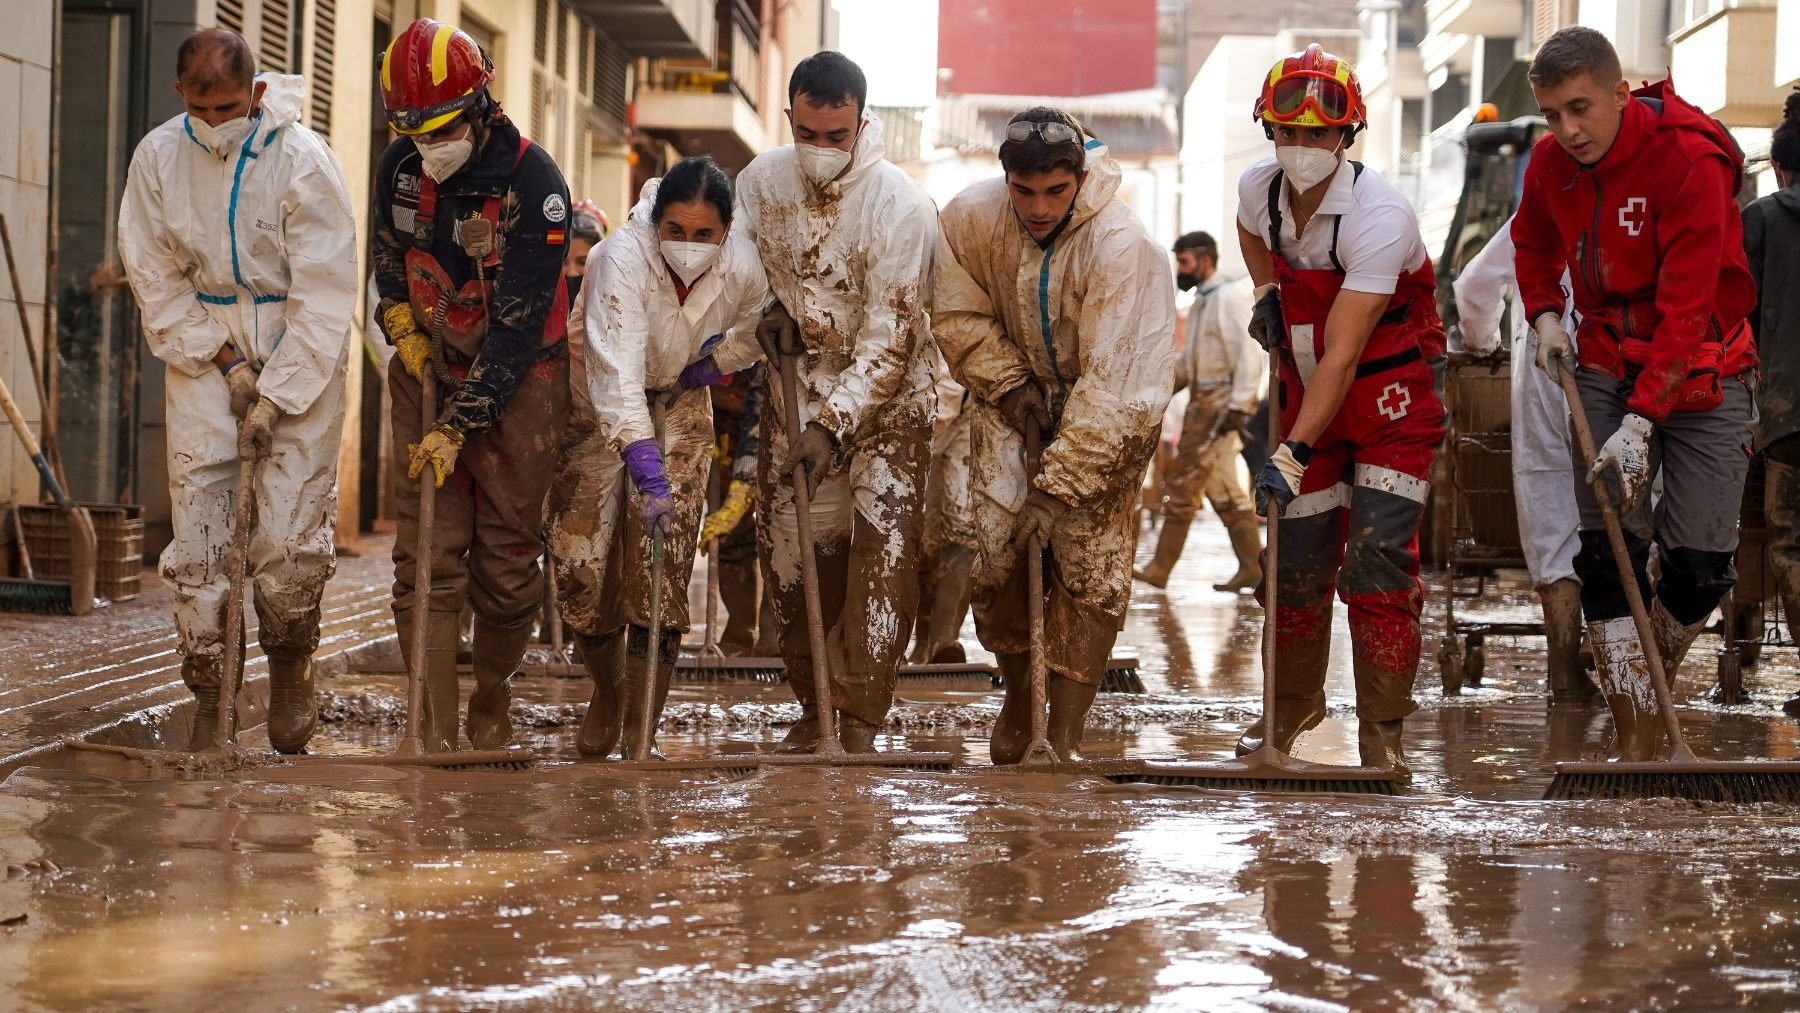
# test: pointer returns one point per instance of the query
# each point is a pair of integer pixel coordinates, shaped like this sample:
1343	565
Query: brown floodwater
575	887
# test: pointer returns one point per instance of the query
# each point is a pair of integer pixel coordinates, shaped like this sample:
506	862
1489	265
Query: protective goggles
1053	132
1325	97
419	121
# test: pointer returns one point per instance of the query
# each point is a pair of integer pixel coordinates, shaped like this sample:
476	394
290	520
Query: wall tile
9	100
28	30
33	125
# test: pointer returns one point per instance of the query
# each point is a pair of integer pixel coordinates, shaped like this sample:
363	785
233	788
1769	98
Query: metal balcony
1723	60
674	29
713	109
1500	18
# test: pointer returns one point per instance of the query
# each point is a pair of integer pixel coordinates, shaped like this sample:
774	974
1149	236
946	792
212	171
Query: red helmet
430	74
1312	89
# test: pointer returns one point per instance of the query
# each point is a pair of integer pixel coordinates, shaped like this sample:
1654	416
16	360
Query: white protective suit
636	335
851	262
1106	294
1543	475
255	248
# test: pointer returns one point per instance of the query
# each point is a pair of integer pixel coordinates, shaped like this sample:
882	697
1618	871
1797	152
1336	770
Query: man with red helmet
1346	295
470	229
1634	193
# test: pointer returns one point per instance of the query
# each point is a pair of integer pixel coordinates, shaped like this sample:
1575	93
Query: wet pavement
576	887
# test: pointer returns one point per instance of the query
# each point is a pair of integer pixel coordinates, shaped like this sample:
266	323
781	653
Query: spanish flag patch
554	237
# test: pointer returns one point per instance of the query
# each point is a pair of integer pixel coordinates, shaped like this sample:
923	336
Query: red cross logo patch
1631	215
1394	401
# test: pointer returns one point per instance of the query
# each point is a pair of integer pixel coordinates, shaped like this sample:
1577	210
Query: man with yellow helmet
470	229
1346	299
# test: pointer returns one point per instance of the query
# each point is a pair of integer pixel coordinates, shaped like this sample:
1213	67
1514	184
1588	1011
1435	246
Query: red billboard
1046	47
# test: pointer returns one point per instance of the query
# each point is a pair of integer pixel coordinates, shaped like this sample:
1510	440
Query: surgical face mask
821	165
223	139
445	158
1307	167
689	260
573	283
1186	282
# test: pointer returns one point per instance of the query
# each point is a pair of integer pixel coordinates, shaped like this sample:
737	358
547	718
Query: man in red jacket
1634	193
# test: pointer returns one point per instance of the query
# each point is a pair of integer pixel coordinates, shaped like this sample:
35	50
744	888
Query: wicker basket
119	531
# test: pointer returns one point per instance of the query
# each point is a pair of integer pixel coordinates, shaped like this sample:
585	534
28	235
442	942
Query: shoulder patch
554	208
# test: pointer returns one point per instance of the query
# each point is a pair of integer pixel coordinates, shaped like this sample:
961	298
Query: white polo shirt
1377	239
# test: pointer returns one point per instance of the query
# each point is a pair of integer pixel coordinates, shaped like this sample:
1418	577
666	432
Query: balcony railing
735	69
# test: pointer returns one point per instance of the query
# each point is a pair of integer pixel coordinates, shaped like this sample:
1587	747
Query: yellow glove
411	345
438	448
724	521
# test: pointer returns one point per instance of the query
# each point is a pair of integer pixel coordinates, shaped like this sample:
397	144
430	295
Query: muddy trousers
1703	457
291	554
740	590
1781	505
1206	462
867	521
489	514
1078	634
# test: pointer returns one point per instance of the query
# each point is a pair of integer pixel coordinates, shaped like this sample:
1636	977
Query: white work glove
1553	351
1628	454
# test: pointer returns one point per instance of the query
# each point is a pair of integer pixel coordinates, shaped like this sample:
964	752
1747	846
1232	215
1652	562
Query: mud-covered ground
575	887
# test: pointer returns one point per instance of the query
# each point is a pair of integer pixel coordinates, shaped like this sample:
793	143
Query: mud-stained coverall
851	262
1354	527
255	248
1543	472
510	359
947	520
1104	293
638	333
1222	369
1653	240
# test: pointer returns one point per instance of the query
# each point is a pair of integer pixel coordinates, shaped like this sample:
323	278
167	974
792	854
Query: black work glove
1266	324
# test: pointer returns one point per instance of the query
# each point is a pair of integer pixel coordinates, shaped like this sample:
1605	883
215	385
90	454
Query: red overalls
1355	524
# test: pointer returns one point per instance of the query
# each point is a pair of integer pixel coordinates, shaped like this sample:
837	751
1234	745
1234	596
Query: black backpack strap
1337	226
1275	213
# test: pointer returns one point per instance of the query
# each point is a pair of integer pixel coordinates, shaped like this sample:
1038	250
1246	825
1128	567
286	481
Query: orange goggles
1298	95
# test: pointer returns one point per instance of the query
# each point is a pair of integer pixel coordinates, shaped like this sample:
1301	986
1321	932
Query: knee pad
1602	596
1693	581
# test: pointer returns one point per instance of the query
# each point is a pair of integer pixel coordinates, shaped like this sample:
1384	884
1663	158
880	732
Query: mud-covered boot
1379	744
443	635
636	678
497	653
803	737
737	590
1012	729
1292	716
604	656
1169	543
1299	692
1673	638
950	590
1070	702
1624	677
1246	543
293	705
202	676
1566	679
855	734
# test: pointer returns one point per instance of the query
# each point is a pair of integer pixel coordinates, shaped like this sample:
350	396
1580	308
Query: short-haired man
1634	194
1055	308
846	239
1222	368
237	236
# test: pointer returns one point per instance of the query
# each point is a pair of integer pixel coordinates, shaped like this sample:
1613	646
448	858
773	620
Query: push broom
1682	774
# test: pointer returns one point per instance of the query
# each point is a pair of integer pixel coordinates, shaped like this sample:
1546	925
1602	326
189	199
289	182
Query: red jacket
1652	238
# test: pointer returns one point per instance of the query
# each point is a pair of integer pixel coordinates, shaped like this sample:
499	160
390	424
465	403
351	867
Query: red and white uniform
1354	525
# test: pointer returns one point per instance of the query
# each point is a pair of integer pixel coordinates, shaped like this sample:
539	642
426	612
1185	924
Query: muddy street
574	887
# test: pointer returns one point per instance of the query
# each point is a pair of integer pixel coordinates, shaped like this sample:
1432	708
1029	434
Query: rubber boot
1379	744
1787	581
1567	680
1299	694
737	589
768	630
1672	640
443	634
855	734
1069	704
803	737
202	676
1169	543
498	651
293	706
1246	542
1624	677
949	590
604	656
636	669
1012	729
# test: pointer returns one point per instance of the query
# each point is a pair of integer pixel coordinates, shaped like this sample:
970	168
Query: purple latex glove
645	463
703	373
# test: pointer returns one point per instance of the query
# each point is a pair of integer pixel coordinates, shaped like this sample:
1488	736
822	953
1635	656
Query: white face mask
445	158
223	139
821	165
1307	167
689	260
